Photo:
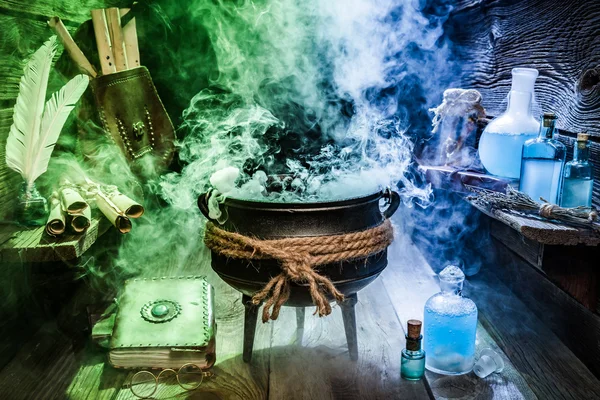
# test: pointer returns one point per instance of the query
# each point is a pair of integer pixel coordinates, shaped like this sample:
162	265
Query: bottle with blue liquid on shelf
577	181
543	163
450	324
501	143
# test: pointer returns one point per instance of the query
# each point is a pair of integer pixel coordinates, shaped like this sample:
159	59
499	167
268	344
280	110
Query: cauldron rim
348	201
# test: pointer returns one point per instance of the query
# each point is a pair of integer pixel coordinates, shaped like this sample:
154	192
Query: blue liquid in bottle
501	143
450	322
501	152
577	192
543	161
578	180
541	179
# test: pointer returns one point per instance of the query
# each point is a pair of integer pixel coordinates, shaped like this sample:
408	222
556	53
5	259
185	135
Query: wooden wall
559	38
23	30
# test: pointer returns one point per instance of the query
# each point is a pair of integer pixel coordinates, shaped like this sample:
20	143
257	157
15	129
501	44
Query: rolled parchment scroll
71	200
80	222
130	208
56	220
111	211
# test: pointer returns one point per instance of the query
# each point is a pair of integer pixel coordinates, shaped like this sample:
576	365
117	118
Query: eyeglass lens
190	377
143	384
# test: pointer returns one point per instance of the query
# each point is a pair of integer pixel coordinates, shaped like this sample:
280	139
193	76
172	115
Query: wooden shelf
449	178
543	231
537	229
34	245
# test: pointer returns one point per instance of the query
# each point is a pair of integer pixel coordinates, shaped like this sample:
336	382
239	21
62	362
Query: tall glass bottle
450	326
543	162
501	143
577	177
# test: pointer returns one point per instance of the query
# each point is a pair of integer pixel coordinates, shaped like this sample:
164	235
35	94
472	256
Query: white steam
300	93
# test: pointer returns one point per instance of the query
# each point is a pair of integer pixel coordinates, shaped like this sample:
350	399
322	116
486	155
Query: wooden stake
116	38
107	61
71	47
131	41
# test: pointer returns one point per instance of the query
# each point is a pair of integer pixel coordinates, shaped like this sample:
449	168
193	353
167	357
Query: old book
164	323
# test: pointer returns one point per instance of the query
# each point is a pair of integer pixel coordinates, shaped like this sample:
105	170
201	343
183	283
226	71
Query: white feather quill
34	132
55	115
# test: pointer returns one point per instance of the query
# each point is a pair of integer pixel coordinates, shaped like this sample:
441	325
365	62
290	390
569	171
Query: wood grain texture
319	367
575	325
43	367
74	10
551	369
283	366
19	39
410	281
559	38
33	245
542	231
530	250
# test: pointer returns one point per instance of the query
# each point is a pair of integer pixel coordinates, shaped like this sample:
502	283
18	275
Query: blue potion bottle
577	177
501	143
543	162
450	326
412	365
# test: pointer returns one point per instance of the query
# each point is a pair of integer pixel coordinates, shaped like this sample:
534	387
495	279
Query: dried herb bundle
515	201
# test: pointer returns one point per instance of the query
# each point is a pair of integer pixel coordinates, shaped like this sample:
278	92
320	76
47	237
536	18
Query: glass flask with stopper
450	326
412	365
543	162
577	177
501	143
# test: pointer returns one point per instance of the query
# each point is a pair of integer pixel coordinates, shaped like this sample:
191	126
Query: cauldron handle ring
203	206
394	201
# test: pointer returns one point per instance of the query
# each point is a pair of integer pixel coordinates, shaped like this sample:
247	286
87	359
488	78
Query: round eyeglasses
190	376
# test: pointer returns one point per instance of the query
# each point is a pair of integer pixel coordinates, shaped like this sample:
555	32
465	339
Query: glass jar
450	325
501	143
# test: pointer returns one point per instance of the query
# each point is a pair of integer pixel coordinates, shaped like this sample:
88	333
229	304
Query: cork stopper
549	118
582	137
414	328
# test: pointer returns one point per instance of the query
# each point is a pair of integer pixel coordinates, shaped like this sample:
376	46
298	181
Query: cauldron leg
300	311
349	317
250	317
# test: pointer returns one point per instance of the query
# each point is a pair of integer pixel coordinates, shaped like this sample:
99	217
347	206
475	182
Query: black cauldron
267	220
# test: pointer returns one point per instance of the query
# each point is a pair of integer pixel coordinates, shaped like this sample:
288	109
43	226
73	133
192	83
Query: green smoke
306	88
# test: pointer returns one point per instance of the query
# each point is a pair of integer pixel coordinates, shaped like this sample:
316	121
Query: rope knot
298	258
546	210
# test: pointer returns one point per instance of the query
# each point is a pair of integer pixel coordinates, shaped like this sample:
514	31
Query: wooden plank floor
286	364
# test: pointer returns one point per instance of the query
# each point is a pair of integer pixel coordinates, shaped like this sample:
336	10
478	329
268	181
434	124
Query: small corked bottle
413	357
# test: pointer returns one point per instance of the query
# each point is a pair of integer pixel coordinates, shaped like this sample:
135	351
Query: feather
35	129
55	115
25	130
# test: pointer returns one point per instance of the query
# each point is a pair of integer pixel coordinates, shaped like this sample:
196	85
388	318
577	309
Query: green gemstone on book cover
160	310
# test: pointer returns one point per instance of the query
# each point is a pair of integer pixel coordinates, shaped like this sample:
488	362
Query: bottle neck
451	288
412	344
546	130
519	103
581	152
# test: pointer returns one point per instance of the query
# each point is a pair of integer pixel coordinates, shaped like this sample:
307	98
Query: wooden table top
18	244
313	364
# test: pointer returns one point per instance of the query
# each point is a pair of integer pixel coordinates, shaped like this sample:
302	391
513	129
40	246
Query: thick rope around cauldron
298	258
